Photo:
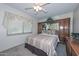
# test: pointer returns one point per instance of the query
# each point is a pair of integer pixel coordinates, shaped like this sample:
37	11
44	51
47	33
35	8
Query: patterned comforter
47	43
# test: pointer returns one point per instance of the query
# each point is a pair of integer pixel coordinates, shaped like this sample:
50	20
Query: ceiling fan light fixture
37	8
40	8
34	7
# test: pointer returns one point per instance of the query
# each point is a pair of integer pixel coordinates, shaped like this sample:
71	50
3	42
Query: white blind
16	24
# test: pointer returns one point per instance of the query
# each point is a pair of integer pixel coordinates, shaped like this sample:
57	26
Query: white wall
76	20
66	15
7	42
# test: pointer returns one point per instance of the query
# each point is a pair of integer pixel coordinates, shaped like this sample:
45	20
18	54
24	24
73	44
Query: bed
42	44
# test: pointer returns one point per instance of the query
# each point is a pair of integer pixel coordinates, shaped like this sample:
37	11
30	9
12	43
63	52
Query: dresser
72	47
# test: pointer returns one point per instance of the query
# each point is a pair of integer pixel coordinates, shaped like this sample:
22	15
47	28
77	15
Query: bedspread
44	42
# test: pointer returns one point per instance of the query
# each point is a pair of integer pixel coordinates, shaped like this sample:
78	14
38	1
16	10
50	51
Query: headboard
63	27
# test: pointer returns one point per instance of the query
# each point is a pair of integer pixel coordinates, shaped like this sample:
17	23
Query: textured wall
7	42
76	20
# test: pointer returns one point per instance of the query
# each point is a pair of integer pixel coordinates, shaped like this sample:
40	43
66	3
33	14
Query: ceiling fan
38	7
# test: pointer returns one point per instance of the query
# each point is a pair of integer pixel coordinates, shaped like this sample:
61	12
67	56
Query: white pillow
48	34
44	34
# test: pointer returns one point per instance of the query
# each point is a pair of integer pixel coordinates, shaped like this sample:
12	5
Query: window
16	24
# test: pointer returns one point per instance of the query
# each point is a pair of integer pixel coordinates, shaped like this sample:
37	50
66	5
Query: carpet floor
17	51
21	51
61	50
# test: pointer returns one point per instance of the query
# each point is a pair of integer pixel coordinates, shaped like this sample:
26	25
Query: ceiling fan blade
44	4
45	11
36	14
28	8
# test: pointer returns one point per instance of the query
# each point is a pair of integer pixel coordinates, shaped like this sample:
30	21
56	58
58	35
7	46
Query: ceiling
52	9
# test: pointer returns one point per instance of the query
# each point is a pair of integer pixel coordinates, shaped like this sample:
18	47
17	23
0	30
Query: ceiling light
37	8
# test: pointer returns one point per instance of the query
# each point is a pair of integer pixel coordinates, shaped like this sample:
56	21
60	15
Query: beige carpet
17	51
21	51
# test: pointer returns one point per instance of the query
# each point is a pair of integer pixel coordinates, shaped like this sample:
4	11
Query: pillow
49	31
44	34
52	32
48	34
